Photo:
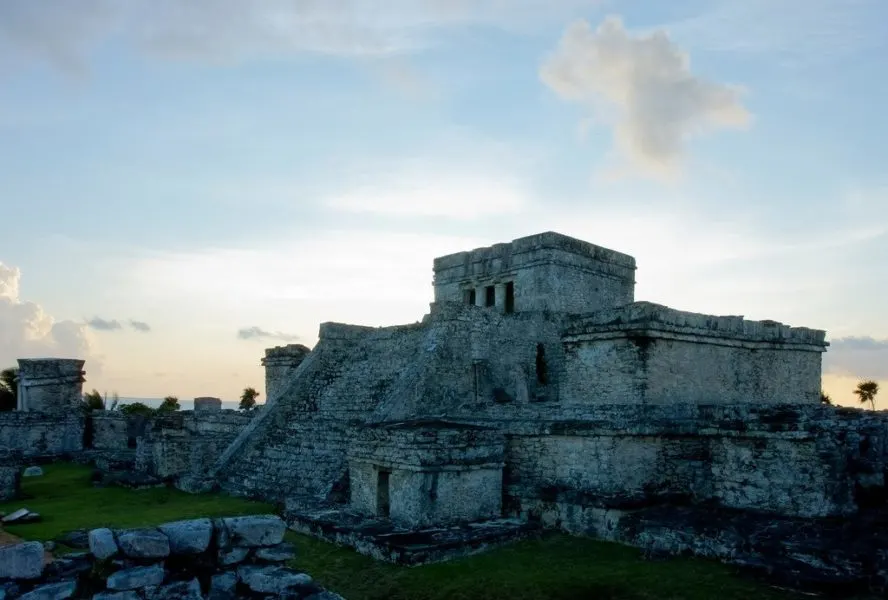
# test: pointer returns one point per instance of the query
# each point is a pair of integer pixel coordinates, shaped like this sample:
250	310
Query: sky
184	187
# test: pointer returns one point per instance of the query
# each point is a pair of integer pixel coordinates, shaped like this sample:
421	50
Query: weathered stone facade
50	385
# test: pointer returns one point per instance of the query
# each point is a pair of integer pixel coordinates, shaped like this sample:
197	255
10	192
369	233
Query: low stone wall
38	435
236	557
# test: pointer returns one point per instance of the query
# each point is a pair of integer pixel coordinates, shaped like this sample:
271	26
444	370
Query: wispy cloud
643	87
787	31
257	333
140	326
61	32
100	324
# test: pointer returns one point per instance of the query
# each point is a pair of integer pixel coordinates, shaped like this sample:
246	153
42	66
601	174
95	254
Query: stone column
280	362
500	297
480	295
51	385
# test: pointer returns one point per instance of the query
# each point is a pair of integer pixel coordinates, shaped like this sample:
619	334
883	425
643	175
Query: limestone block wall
34	434
280	363
647	353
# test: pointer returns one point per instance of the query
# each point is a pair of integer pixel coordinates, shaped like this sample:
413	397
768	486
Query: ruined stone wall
807	461
34	434
280	363
50	384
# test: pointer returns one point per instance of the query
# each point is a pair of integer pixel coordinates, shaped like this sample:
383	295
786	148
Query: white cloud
863	357
644	88
26	331
60	31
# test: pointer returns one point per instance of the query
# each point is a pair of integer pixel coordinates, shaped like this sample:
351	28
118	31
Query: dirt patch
7	539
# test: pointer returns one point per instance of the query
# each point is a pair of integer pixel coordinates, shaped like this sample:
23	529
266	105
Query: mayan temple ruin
536	394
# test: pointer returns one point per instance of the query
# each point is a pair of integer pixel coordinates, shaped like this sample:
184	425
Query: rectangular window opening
510	297
469	296
382	493
490	295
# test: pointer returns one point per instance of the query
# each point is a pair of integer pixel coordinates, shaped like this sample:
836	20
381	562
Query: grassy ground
66	499
556	567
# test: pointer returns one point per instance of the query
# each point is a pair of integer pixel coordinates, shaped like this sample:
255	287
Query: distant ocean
184	404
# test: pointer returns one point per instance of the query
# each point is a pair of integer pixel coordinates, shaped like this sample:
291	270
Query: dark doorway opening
382	493
470	297
489	295
510	297
542	375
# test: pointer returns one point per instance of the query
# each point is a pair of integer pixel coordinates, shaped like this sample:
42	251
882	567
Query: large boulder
251	531
179	590
280	553
101	543
188	537
143	543
21	561
33	472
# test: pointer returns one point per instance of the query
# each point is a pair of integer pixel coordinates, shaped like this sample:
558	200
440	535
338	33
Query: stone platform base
380	539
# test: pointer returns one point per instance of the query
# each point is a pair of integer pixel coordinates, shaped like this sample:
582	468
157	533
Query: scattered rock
280	553
22	515
101	543
53	591
144	543
32	472
252	531
49	546
271	580
136	577
22	561
188	537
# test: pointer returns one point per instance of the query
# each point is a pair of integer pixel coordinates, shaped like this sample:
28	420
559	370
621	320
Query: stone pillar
51	385
500	297
480	295
280	362
207	404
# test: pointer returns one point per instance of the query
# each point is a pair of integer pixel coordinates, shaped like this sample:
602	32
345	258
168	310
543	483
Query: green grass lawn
555	567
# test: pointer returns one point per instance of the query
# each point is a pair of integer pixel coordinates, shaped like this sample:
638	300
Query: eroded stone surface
136	577
102	543
272	580
52	591
21	561
143	543
188	537
253	531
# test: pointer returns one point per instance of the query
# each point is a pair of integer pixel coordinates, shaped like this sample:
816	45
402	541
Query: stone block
272	580
188	537
253	531
101	543
53	591
207	404
178	590
280	553
32	472
222	586
144	543
22	561
232	556
10	481
136	577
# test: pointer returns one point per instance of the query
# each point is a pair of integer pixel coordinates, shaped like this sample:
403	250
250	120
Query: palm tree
248	399
8	389
824	398
866	391
169	404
